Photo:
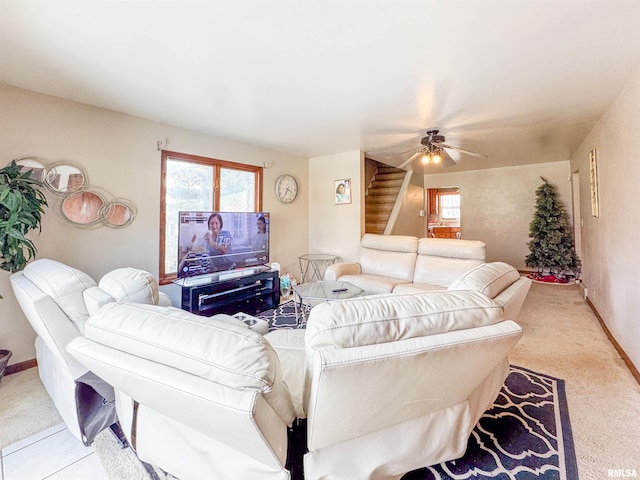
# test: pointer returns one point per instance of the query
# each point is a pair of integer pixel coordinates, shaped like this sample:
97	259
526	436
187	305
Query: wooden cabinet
445	232
432	201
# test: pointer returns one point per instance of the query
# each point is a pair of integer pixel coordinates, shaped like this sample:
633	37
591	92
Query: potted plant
21	208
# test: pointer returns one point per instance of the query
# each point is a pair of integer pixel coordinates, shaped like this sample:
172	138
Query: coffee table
322	291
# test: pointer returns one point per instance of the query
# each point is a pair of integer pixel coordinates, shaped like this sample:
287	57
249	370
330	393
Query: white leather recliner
395	382
57	300
198	397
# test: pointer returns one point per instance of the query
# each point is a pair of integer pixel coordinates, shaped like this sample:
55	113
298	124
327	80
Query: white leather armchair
198	397
395	382
57	300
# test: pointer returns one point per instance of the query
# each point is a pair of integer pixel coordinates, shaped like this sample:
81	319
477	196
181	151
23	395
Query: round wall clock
286	188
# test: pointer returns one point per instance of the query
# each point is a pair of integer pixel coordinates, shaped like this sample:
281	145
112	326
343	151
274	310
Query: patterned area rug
285	316
525	435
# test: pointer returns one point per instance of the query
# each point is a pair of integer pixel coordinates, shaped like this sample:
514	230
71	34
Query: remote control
338	290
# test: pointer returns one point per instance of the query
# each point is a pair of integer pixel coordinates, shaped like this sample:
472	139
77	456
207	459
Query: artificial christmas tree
552	247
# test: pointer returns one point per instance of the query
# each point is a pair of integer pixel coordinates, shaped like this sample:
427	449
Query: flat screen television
210	242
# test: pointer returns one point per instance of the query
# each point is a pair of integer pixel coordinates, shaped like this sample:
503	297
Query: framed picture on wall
342	189
593	182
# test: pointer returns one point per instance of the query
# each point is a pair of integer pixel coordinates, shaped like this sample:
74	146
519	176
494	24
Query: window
190	182
449	204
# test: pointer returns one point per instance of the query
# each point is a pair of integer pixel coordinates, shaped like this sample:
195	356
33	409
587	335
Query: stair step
378	207
377	199
386	183
375	227
386	191
376	217
391	176
388	169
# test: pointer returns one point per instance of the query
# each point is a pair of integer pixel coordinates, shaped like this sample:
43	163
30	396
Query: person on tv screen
218	242
260	241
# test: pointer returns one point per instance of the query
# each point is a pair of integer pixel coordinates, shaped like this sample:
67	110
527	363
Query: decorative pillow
131	285
489	279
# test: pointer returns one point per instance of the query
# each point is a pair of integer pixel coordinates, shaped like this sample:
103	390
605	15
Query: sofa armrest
94	298
512	297
289	345
335	271
164	300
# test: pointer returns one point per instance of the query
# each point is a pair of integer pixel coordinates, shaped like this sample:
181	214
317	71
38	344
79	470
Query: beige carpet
25	407
562	339
120	464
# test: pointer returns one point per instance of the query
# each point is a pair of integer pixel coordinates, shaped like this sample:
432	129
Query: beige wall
409	221
120	155
336	229
497	205
610	252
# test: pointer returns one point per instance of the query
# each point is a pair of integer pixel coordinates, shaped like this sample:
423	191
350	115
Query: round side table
313	266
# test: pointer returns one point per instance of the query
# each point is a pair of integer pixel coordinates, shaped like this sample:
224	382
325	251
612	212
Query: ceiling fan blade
461	150
410	159
447	161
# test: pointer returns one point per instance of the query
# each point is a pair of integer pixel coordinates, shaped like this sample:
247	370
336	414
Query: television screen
211	242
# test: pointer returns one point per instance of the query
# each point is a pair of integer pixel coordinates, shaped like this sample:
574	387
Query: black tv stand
251	291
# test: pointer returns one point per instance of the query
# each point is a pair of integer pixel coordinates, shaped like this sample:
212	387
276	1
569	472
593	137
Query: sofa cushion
388	318
440	261
443	247
489	279
417	288
391	256
373	284
131	285
221	352
64	284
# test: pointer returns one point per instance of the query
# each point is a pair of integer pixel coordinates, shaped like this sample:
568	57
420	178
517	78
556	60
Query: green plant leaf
22	204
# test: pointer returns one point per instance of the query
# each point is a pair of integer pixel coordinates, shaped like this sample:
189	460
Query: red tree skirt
547	278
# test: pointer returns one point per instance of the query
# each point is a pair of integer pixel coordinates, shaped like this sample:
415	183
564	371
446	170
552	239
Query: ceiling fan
432	149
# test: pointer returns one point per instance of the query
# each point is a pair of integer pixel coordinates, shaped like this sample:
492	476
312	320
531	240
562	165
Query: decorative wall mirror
82	208
34	164
77	203
64	177
118	213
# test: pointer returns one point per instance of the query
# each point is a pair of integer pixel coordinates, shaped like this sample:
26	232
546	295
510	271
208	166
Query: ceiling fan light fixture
436	158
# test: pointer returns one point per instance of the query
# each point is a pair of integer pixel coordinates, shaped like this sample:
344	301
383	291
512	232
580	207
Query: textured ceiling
519	81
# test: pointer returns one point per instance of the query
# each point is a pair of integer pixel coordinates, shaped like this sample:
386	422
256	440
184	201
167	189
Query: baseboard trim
625	358
19	367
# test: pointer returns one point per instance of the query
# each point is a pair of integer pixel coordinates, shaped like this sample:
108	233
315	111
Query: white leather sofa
405	264
57	300
394	382
198	397
385	263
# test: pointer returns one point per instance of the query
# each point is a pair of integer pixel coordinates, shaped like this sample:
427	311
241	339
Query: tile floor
53	454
